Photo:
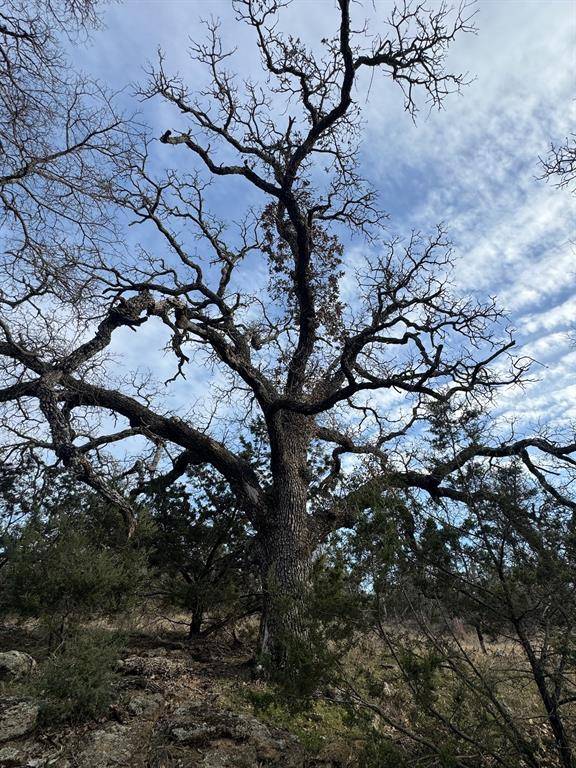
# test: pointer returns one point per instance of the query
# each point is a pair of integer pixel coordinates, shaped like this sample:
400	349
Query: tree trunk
196	623
285	572
285	547
548	698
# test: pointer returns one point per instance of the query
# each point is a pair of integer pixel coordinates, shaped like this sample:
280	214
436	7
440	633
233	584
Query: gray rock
230	740
221	759
15	664
143	704
17	717
32	753
29	754
195	735
107	748
152	666
10	756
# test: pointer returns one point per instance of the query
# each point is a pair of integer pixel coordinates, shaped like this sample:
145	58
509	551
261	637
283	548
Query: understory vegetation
435	634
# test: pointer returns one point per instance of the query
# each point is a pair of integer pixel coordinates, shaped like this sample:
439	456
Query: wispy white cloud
561	316
472	166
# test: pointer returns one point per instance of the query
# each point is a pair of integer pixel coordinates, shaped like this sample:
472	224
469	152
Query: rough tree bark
196	621
285	540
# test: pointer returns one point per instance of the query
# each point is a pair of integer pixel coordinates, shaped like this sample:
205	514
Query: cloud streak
473	165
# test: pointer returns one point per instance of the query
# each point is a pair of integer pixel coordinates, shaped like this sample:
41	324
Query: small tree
60	142
203	552
69	562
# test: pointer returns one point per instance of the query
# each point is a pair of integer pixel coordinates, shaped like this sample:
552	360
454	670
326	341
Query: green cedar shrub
201	550
77	682
69	563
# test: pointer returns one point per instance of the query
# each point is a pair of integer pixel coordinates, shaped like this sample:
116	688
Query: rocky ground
173	710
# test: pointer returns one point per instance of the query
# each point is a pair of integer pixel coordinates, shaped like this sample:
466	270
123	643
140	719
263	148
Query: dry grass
369	712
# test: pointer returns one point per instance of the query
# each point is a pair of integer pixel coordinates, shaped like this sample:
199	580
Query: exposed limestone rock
143	704
15	664
107	748
150	667
17	717
10	756
230	740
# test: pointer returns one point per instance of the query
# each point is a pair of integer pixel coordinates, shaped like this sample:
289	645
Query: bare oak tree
312	352
60	139
560	164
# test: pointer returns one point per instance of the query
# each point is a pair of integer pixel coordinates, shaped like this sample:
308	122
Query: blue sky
473	165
